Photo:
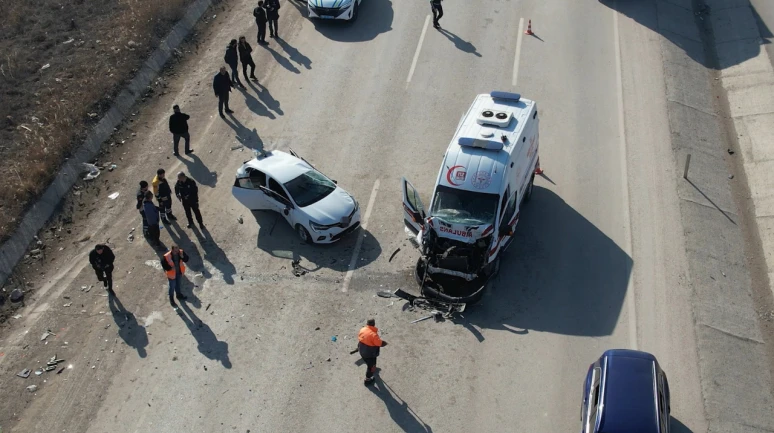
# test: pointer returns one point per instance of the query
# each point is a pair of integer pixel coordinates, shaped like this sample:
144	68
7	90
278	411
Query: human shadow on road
677	427
129	330
400	412
278	238
560	274
206	340
294	54
199	172
282	60
215	255
460	43
374	18
265	96
254	104
684	29
249	138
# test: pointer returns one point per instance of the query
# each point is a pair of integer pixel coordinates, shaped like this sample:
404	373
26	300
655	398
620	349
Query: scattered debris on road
32	388
298	270
113	196
393	254
16	295
240	220
46	334
93	171
24	373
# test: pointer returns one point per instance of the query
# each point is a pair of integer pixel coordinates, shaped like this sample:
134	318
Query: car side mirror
334	181
286	211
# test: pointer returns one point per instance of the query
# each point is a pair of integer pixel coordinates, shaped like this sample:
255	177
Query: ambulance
487	175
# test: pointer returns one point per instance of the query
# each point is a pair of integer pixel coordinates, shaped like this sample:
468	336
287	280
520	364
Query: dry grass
92	47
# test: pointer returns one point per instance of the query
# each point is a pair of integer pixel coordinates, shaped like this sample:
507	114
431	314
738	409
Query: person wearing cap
187	192
368	345
173	263
163	193
101	259
140	199
178	126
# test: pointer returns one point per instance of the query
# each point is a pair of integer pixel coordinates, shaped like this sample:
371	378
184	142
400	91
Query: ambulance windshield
456	206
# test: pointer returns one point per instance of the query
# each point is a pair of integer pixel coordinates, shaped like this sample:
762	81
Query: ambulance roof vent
494	117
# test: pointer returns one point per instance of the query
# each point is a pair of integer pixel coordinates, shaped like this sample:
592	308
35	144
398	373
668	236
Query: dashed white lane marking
518	52
359	243
631	301
419	48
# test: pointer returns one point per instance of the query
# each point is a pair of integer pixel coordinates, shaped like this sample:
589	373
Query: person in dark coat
152	216
187	192
140	199
232	59
272	14
247	59
260	19
435	6
222	85
163	193
178	126
101	259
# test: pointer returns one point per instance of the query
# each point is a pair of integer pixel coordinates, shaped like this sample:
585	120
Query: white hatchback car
317	209
334	9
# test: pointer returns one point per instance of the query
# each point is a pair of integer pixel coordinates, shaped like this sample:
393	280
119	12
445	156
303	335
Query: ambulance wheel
303	234
528	193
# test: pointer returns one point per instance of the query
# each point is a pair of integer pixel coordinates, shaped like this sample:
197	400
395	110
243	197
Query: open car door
413	210
248	190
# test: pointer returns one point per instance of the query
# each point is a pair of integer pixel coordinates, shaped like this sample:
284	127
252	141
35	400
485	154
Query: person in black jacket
437	9
247	59
101	259
232	59
272	14
163	193
260	19
187	192
178	126
222	86
140	199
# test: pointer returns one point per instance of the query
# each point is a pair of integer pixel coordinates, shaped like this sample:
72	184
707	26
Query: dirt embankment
61	63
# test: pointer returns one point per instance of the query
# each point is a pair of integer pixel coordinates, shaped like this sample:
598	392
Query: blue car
625	392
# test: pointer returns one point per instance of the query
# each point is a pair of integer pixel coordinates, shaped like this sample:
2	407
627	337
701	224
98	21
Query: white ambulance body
487	173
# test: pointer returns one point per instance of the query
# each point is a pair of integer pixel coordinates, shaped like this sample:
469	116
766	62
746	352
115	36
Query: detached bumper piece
450	288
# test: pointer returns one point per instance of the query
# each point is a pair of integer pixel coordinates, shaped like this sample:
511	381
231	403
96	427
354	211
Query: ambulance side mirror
286	211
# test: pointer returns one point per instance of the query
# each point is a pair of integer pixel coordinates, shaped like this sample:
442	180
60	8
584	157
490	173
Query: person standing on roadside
272	14
152	216
163	193
187	192
178	126
260	19
222	85
435	6
173	263
140	199
368	345
101	259
247	59
232	60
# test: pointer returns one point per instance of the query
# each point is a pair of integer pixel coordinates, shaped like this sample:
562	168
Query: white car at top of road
333	9
317	209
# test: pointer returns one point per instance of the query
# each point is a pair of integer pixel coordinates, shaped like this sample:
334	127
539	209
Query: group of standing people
267	12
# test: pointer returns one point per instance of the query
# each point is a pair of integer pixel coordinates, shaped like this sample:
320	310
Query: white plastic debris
113	196
32	388
46	66
93	171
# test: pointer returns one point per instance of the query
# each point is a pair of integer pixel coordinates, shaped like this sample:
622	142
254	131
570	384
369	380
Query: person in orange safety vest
173	263
368	345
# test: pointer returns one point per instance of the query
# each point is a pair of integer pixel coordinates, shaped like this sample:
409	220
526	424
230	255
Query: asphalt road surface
598	261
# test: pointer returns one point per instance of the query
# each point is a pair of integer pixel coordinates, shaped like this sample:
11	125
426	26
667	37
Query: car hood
332	208
328	3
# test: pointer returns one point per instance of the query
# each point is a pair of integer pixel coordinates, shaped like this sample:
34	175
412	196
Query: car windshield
309	188
456	206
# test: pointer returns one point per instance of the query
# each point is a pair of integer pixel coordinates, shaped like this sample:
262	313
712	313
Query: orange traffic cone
529	29
538	170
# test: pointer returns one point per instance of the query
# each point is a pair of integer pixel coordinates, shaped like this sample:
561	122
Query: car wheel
528	193
303	234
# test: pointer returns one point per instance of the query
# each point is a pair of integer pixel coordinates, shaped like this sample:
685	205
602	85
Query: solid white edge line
630	295
359	243
518	52
416	53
